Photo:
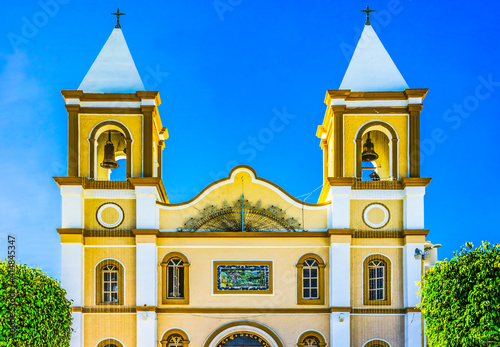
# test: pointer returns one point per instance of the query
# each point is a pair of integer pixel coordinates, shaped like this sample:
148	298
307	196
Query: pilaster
146	326
411	275
340	287
146	285
340	329
146	212
77	325
72	206
73	153
147	135
414	111
338	140
414	202
72	280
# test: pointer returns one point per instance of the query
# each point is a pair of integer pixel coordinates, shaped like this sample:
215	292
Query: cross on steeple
367	11
118	14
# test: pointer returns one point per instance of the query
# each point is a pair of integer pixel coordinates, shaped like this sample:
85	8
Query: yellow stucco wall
171	218
94	255
284	252
396	216
100	326
352	123
127	205
395	255
134	125
287	326
390	328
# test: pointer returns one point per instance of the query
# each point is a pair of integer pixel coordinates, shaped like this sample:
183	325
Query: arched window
377	343
175	338
175	278
109	283
175	275
311	339
109	343
377	285
310	280
175	341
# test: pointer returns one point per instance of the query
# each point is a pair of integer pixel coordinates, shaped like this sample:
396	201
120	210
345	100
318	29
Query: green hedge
34	311
461	298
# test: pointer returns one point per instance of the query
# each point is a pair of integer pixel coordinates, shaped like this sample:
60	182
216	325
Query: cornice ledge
415	181
72	94
70	231
68	181
341	181
146	232
415	232
416	92
346	231
346	309
144	181
146	308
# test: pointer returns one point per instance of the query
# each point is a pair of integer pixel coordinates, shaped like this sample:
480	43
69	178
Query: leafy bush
461	298
34	311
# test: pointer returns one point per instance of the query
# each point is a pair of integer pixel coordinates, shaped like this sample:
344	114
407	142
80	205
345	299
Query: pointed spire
113	70
371	67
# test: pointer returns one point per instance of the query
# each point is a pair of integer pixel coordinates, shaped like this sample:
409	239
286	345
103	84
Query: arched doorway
243	340
243	334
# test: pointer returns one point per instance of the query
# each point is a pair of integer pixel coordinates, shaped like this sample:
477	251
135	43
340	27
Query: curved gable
255	191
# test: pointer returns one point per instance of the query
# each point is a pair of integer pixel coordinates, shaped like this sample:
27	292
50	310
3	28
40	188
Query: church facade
244	263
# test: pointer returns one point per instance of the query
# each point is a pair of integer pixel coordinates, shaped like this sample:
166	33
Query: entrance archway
243	340
243	334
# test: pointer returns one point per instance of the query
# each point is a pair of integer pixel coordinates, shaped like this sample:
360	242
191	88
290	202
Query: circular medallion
110	215
376	216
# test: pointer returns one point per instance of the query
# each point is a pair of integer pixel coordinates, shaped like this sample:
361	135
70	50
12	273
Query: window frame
164	273
108	341
99	282
374	343
166	336
308	334
387	281
321	280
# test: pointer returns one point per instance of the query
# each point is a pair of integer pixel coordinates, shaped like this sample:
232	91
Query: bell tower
371	128
370	138
113	120
110	195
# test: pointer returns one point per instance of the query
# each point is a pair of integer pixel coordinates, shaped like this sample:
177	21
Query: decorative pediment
241	215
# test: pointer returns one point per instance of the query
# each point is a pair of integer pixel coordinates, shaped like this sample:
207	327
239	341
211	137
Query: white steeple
113	70
371	68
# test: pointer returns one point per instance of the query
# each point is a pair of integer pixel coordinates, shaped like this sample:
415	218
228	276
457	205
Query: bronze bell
109	161
368	152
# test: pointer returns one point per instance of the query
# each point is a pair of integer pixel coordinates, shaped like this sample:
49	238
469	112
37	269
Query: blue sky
224	69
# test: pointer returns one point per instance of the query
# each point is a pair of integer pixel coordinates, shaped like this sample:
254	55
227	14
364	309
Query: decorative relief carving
241	215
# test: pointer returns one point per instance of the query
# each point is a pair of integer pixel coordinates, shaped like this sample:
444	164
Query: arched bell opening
376	152
110	152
